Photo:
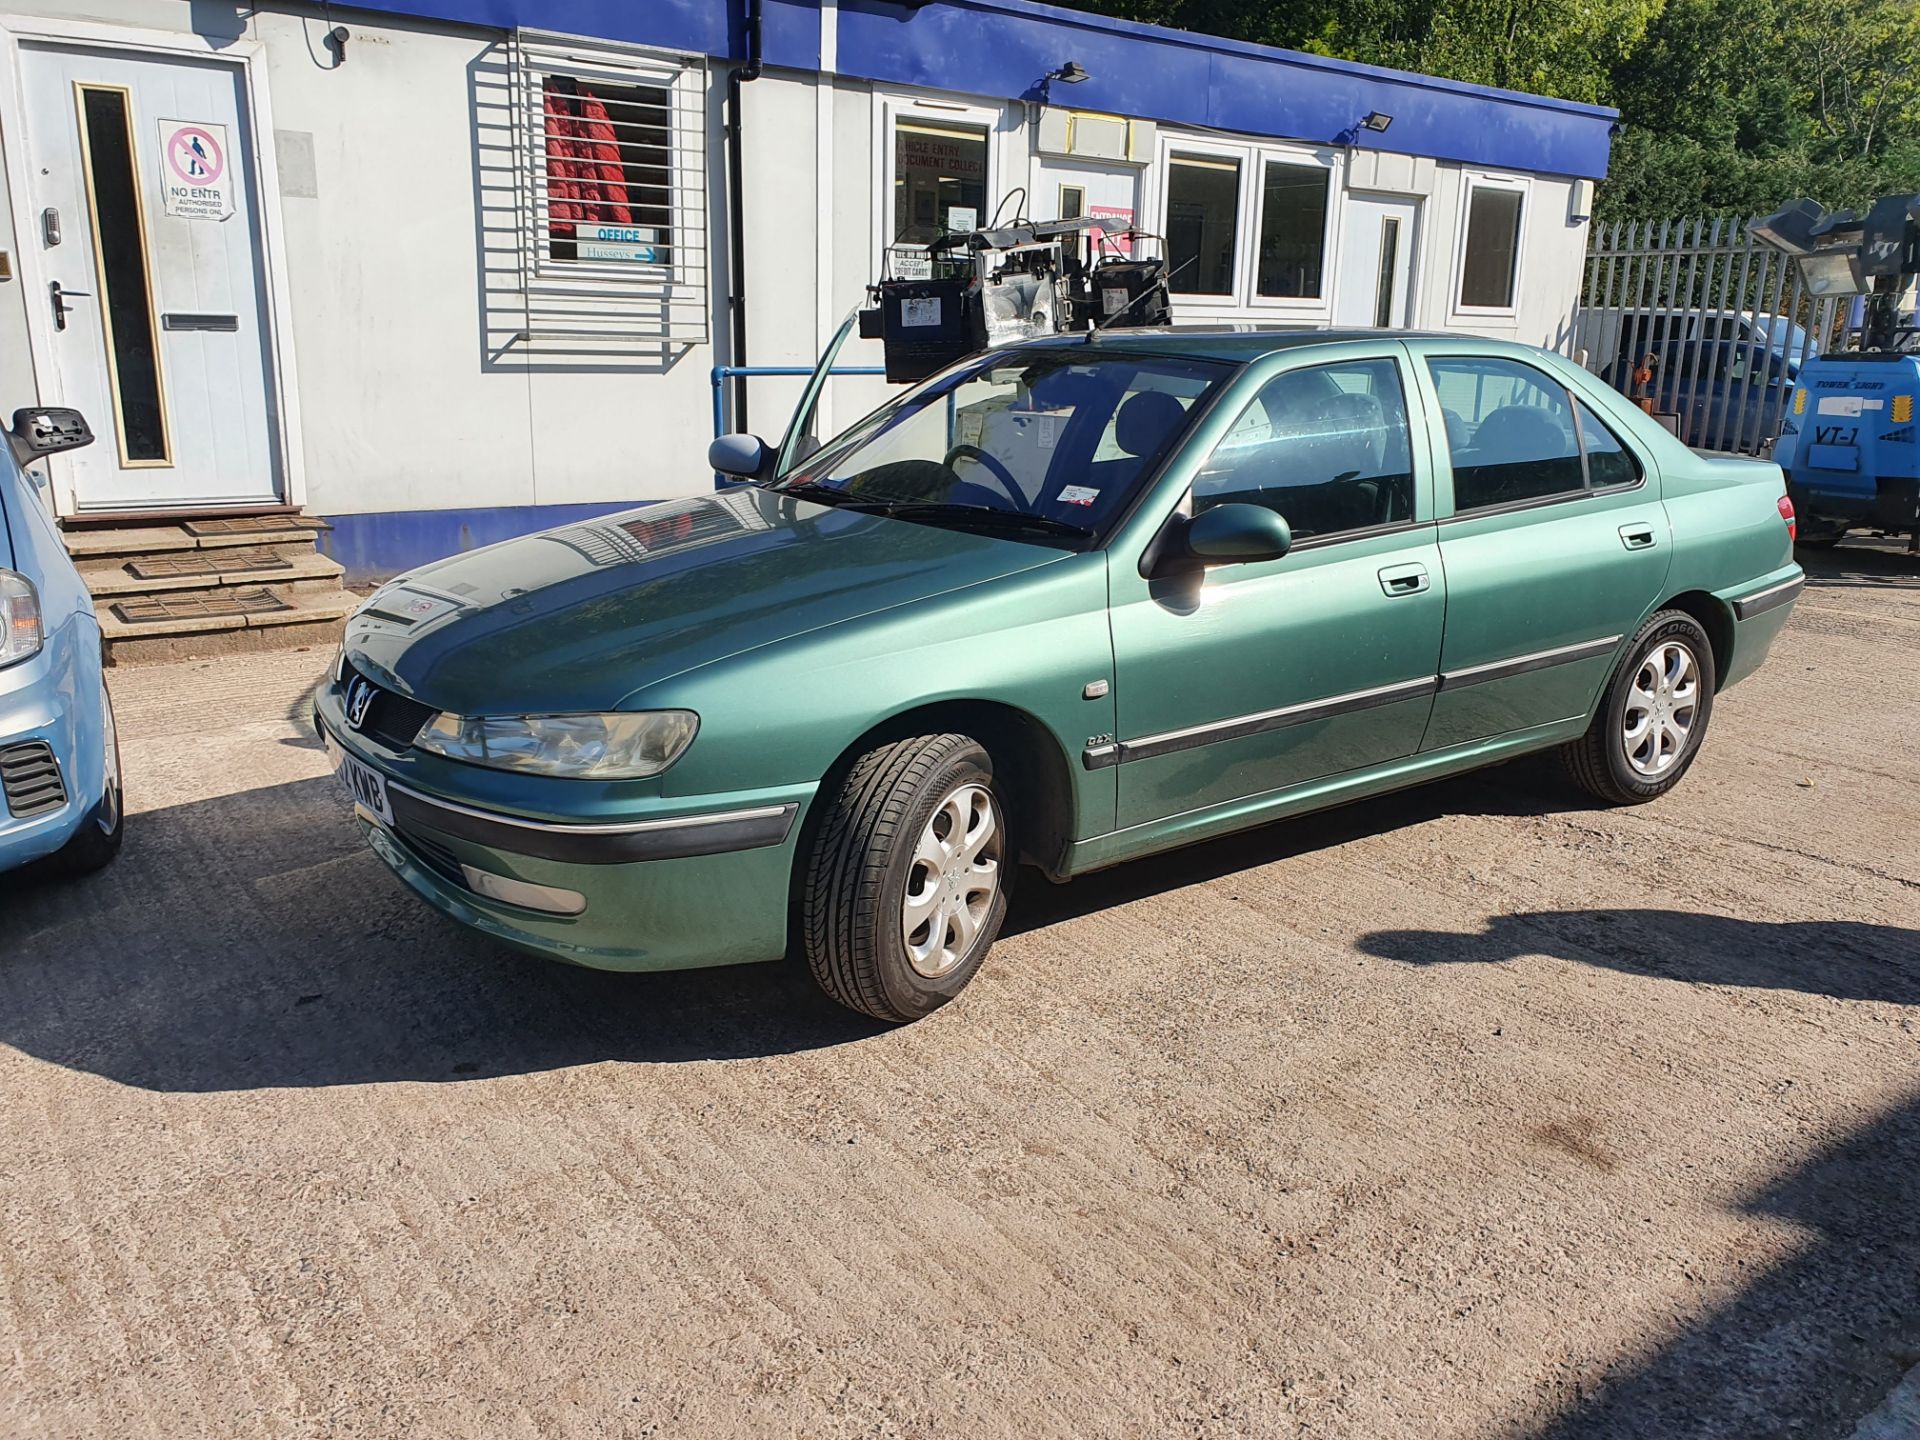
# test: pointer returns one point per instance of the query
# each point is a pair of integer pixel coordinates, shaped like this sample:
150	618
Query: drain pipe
738	76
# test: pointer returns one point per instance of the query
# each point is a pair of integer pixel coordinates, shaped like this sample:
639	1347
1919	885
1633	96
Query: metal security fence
1702	325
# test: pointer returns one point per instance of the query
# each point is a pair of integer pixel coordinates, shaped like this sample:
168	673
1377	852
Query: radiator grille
392	719
30	779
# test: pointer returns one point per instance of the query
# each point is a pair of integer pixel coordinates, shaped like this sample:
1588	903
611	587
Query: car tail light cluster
1786	514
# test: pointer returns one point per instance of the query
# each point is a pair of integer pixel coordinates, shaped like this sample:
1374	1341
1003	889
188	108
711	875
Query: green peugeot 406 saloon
1065	604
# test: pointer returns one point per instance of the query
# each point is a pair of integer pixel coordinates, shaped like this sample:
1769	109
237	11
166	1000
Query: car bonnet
581	617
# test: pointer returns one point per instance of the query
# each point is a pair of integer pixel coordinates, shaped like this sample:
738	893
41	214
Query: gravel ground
1470	1112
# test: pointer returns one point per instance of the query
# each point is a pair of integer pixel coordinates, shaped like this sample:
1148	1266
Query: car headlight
625	746
20	631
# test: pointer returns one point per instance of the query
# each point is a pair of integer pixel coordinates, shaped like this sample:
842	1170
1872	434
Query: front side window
1025	443
1327	448
609	171
939	179
1203	214
1293	230
1491	266
1510	430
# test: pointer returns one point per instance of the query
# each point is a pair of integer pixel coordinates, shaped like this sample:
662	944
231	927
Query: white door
1070	189
147	221
1376	262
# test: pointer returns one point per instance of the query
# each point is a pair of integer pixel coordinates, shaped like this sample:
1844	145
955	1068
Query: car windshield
1049	445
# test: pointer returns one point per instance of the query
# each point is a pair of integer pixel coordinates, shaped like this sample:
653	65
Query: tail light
1785	506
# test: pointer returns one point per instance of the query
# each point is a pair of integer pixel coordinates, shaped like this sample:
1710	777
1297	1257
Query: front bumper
672	891
54	699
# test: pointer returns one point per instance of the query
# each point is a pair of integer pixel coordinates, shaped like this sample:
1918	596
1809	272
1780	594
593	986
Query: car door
1553	538
1250	678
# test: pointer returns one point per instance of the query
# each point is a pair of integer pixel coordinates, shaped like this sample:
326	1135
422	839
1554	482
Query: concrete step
303	570
235	620
276	531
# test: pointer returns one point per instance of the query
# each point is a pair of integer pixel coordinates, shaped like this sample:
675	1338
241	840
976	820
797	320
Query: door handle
1404	579
1637	537
60	306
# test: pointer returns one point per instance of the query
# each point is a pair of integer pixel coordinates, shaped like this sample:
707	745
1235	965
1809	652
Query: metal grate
393	720
1724	317
209	562
228	605
601	265
30	779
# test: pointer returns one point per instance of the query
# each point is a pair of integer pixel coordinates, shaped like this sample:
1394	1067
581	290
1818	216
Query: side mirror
47	430
1236	535
743	456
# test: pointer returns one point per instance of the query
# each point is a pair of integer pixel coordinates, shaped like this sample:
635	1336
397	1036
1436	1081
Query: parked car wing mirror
47	430
742	456
1237	534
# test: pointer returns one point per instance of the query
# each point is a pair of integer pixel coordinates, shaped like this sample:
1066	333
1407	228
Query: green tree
1728	106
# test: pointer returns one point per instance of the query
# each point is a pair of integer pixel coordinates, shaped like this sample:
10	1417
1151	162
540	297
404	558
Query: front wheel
906	884
1653	716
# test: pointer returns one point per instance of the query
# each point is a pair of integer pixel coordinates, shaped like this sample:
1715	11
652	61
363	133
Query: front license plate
367	786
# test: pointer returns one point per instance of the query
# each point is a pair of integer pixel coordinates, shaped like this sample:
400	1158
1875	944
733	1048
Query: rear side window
1608	461
1327	448
1510	430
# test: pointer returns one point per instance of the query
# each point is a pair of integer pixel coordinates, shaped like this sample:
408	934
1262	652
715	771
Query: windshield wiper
986	515
823	493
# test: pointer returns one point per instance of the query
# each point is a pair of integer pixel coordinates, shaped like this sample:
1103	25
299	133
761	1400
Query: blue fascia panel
377	547
1003	48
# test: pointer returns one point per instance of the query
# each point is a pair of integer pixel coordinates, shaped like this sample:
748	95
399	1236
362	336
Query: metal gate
1703	326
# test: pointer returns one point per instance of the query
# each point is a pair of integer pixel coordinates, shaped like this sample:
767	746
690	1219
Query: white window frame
1321	305
666	301
1471	180
1173	146
890	109
1252	156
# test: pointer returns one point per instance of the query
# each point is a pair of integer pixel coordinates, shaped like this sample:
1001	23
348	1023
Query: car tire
1652	717
886	856
97	841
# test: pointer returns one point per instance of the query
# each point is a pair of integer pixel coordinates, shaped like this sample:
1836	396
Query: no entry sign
196	172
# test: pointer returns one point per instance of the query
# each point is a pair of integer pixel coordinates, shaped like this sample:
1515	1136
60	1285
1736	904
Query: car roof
1243	343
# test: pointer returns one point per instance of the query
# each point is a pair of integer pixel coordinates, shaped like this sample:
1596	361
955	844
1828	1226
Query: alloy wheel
1661	709
953	882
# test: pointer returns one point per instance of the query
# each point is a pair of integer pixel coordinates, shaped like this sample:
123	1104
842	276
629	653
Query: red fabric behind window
585	180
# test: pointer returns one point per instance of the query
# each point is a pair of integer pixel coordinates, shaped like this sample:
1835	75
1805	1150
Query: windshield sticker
968	426
920	312
1049	431
1078	495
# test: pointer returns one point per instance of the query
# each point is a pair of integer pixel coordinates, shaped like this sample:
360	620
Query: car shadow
1857	564
253	940
1844	959
1530	786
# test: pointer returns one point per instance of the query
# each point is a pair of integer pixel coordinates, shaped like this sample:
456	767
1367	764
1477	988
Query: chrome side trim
1524	664
1771	598
632	827
1172	741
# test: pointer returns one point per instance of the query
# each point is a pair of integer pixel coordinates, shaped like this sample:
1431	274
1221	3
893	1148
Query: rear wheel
906	884
97	841
1653	716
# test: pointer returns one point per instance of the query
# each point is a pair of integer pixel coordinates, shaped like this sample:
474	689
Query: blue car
60	797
